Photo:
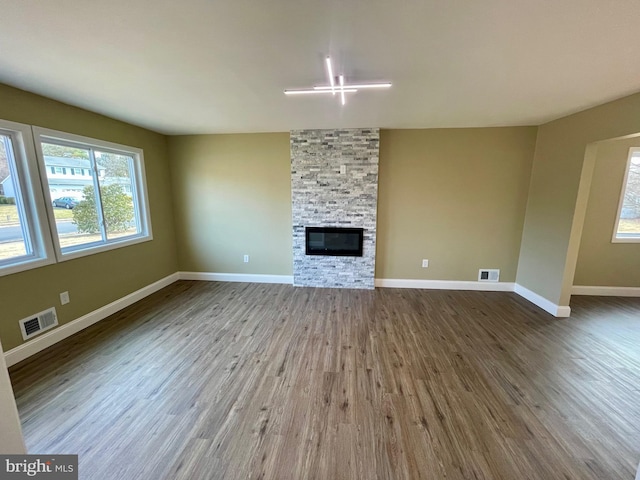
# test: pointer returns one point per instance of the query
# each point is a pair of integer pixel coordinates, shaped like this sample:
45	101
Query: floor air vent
38	323
488	275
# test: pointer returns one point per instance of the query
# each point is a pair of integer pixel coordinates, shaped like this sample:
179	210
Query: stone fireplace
334	183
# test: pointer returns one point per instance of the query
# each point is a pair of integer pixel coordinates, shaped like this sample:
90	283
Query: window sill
27	264
634	239
103	247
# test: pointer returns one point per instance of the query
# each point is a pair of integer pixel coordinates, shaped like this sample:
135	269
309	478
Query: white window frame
30	203
615	238
139	182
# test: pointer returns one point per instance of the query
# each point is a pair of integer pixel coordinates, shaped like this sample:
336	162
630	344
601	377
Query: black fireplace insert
334	241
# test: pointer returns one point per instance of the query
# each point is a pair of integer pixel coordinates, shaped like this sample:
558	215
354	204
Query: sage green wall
232	196
551	235
95	280
454	196
601	262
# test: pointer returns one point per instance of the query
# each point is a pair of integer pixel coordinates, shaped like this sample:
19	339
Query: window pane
96	195
115	174
13	234
72	196
629	222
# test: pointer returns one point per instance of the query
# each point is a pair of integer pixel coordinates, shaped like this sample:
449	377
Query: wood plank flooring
252	381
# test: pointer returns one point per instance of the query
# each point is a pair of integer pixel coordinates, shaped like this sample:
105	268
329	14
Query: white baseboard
236	277
45	340
606	291
543	303
546	305
444	284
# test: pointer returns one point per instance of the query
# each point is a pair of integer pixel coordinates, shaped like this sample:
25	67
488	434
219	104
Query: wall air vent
489	275
38	323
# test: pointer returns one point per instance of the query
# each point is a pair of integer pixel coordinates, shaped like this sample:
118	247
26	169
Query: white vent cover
489	275
38	323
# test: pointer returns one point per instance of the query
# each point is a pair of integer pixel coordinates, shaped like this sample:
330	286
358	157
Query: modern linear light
336	85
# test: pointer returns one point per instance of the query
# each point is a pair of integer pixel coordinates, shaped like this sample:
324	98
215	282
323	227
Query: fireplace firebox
335	241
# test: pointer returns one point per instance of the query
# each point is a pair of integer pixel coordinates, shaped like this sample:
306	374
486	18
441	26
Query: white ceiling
213	66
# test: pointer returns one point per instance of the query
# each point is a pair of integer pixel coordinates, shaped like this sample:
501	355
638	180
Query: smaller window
627	228
23	240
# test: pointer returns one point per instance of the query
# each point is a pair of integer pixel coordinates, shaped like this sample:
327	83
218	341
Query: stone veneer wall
323	197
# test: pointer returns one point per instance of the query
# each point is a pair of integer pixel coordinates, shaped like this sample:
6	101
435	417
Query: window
24	239
105	208
628	220
89	196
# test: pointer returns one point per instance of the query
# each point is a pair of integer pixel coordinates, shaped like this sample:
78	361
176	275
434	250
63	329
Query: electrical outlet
64	298
425	263
246	259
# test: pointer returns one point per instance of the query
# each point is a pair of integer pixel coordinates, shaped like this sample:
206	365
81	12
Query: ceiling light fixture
305	92
332	88
363	85
331	77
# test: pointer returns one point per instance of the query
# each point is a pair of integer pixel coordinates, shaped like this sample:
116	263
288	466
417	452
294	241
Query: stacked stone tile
323	197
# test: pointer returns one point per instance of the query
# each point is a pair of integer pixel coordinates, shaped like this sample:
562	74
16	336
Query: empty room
319	240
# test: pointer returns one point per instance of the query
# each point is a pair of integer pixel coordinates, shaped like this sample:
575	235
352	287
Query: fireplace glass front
334	241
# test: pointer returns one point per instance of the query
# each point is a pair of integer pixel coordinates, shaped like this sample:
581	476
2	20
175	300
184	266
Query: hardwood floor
253	381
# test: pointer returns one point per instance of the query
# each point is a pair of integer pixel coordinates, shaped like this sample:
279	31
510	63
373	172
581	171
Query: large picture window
24	240
64	196
97	194
628	220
